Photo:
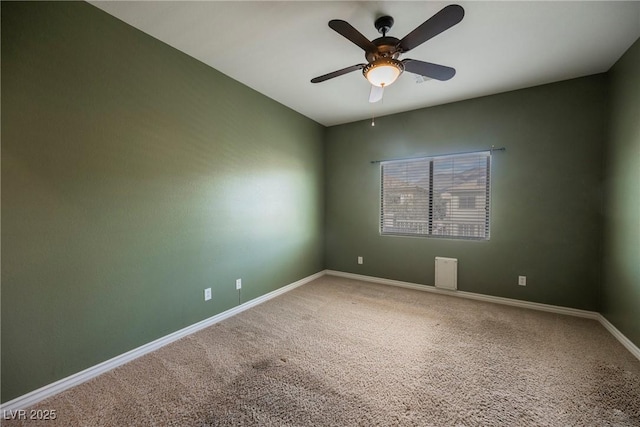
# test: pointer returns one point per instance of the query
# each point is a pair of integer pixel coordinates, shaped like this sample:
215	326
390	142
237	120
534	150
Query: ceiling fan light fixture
383	71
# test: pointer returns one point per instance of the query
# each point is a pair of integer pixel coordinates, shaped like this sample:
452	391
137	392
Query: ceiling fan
383	66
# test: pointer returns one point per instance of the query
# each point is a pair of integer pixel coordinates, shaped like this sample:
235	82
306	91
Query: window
467	201
444	196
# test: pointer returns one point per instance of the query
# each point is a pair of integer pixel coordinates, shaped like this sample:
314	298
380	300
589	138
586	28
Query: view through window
443	196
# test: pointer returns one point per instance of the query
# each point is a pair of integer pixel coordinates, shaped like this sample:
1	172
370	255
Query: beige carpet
339	352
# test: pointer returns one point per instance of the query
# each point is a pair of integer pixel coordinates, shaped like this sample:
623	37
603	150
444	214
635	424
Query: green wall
621	287
546	220
134	177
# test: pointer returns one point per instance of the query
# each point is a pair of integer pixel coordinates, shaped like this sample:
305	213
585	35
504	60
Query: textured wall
621	289
546	220
133	177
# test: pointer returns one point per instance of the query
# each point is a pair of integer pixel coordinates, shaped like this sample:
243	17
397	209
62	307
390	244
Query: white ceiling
277	47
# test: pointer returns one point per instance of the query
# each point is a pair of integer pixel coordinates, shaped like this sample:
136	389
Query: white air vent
446	273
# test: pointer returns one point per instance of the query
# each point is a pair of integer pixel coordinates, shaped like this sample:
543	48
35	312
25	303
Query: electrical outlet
360	260
238	284
522	280
207	294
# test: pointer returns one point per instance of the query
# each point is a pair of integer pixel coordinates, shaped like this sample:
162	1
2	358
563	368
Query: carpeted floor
339	352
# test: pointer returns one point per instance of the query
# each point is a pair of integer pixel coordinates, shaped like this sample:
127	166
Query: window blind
444	196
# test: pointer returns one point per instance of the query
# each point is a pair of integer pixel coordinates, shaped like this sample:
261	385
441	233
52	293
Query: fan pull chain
373	112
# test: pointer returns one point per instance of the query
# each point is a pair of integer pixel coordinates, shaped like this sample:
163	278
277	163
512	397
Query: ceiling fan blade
441	21
428	69
337	73
346	30
376	93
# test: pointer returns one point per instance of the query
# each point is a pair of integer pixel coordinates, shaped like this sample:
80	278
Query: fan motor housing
387	48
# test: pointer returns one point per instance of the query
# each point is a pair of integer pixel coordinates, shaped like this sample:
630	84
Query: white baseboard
500	300
471	295
626	342
49	390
